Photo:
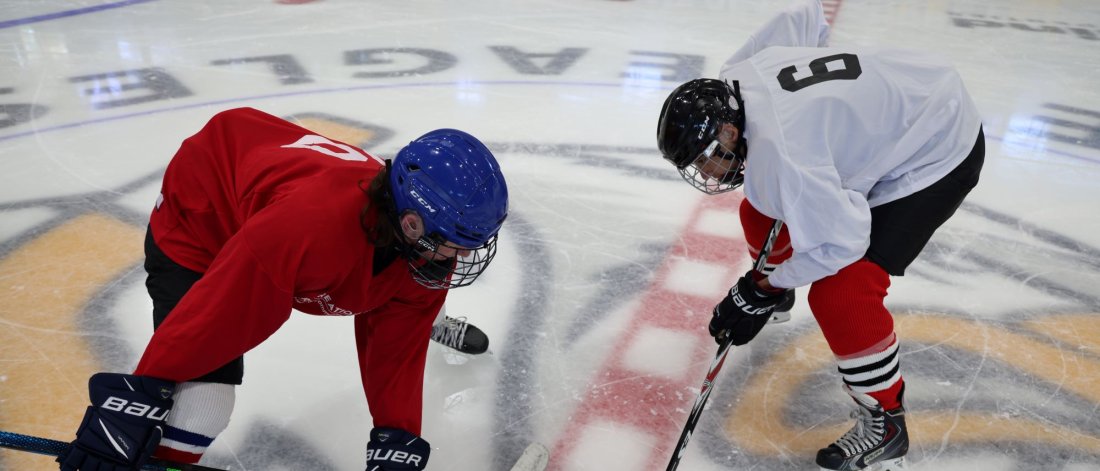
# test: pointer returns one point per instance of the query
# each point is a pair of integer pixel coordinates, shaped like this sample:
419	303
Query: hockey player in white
863	153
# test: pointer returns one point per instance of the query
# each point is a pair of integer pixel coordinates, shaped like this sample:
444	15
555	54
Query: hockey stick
534	458
46	446
716	365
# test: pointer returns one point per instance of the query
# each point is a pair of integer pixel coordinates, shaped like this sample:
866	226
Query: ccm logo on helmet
703	127
134	408
420	199
391	455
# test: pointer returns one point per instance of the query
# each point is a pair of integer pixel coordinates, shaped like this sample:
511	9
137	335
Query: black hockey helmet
689	131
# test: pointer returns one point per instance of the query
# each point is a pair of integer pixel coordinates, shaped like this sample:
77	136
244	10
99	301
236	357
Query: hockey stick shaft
46	446
716	365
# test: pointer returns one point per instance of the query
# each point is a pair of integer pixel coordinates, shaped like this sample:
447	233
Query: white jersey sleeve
801	24
833	132
829	225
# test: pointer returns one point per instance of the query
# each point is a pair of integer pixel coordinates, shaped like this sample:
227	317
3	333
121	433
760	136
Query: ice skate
460	335
877	442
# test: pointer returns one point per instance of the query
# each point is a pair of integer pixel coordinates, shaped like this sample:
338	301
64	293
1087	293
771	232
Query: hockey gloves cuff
123	425
392	449
745	310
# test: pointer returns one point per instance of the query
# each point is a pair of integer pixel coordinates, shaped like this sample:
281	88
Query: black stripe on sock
876	380
871	367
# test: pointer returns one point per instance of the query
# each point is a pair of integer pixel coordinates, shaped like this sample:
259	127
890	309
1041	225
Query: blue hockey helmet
454	183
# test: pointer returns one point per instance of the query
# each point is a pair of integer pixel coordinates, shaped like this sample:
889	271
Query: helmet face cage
716	170
434	270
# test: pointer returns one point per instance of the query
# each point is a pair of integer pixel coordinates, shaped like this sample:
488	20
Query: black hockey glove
123	425
745	310
392	449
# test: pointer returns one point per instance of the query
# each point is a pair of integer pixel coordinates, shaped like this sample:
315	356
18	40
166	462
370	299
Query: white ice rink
609	264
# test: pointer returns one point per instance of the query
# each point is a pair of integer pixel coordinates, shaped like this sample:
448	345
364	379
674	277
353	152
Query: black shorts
167	283
900	229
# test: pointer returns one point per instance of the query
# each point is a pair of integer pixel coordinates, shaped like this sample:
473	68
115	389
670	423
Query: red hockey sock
860	331
849	308
890	398
875	372
176	456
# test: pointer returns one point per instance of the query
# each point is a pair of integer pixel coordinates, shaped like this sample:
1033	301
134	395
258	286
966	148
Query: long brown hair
383	233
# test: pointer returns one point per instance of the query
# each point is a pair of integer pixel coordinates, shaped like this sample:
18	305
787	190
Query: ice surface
597	304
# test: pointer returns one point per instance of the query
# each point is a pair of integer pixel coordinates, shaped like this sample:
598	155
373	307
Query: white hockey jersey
835	131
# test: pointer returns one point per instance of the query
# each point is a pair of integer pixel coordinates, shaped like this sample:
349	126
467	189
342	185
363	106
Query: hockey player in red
863	153
258	216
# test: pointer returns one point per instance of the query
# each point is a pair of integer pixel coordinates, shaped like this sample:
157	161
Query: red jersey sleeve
234	307
393	346
248	291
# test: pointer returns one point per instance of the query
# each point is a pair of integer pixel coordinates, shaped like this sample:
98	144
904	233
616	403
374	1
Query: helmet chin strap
742	145
737	104
401	226
409	250
418	252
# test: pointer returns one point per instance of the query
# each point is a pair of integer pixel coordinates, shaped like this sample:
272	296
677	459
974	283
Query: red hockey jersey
270	213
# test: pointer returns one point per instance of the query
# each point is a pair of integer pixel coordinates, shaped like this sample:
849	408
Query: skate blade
454	357
534	458
780	317
896	464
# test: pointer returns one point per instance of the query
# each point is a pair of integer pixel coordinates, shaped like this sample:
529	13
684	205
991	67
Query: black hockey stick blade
48	447
716	365
534	458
